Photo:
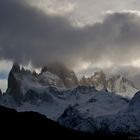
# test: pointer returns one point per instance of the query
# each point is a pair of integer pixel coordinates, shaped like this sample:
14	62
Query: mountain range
90	104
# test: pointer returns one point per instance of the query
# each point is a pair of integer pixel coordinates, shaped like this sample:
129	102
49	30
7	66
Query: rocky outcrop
20	80
98	80
37	98
0	93
14	84
66	75
117	83
49	79
73	119
135	102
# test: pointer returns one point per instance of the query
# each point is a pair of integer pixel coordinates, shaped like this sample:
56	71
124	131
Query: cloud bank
27	34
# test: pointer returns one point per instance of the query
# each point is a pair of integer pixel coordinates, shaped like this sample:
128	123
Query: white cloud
54	7
3	84
5	66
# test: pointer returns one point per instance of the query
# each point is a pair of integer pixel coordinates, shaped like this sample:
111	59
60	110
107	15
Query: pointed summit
0	93
15	68
112	83
100	74
14	83
65	74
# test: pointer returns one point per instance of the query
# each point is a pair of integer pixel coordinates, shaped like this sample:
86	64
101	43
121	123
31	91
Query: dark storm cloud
28	34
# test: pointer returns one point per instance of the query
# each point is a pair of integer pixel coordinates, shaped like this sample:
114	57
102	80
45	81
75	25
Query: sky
85	35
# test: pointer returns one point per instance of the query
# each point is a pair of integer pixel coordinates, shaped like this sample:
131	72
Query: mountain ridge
112	83
91	108
59	76
123	122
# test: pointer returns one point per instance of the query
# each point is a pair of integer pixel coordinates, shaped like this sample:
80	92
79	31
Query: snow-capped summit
113	83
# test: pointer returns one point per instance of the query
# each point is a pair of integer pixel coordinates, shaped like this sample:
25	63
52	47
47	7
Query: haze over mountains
91	104
30	33
59	76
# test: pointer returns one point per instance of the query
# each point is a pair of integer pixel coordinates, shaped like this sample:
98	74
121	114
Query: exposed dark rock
14	83
72	118
30	124
66	75
135	102
35	97
0	93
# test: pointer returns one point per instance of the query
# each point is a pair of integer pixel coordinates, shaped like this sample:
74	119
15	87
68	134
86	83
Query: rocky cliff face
57	75
73	119
0	93
14	82
135	102
67	76
114	83
21	80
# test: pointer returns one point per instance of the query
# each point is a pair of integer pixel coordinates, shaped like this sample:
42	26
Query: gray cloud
28	34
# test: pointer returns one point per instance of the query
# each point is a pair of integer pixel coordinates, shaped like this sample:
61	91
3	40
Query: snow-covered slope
114	83
73	119
59	76
52	101
123	122
127	121
49	91
92	106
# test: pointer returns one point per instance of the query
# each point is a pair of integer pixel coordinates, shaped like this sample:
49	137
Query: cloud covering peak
29	35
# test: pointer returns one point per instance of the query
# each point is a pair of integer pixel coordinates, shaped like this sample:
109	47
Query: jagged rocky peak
15	78
15	68
12	80
65	74
122	79
34	73
112	83
14	84
25	71
21	80
98	80
0	93
100	74
118	83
